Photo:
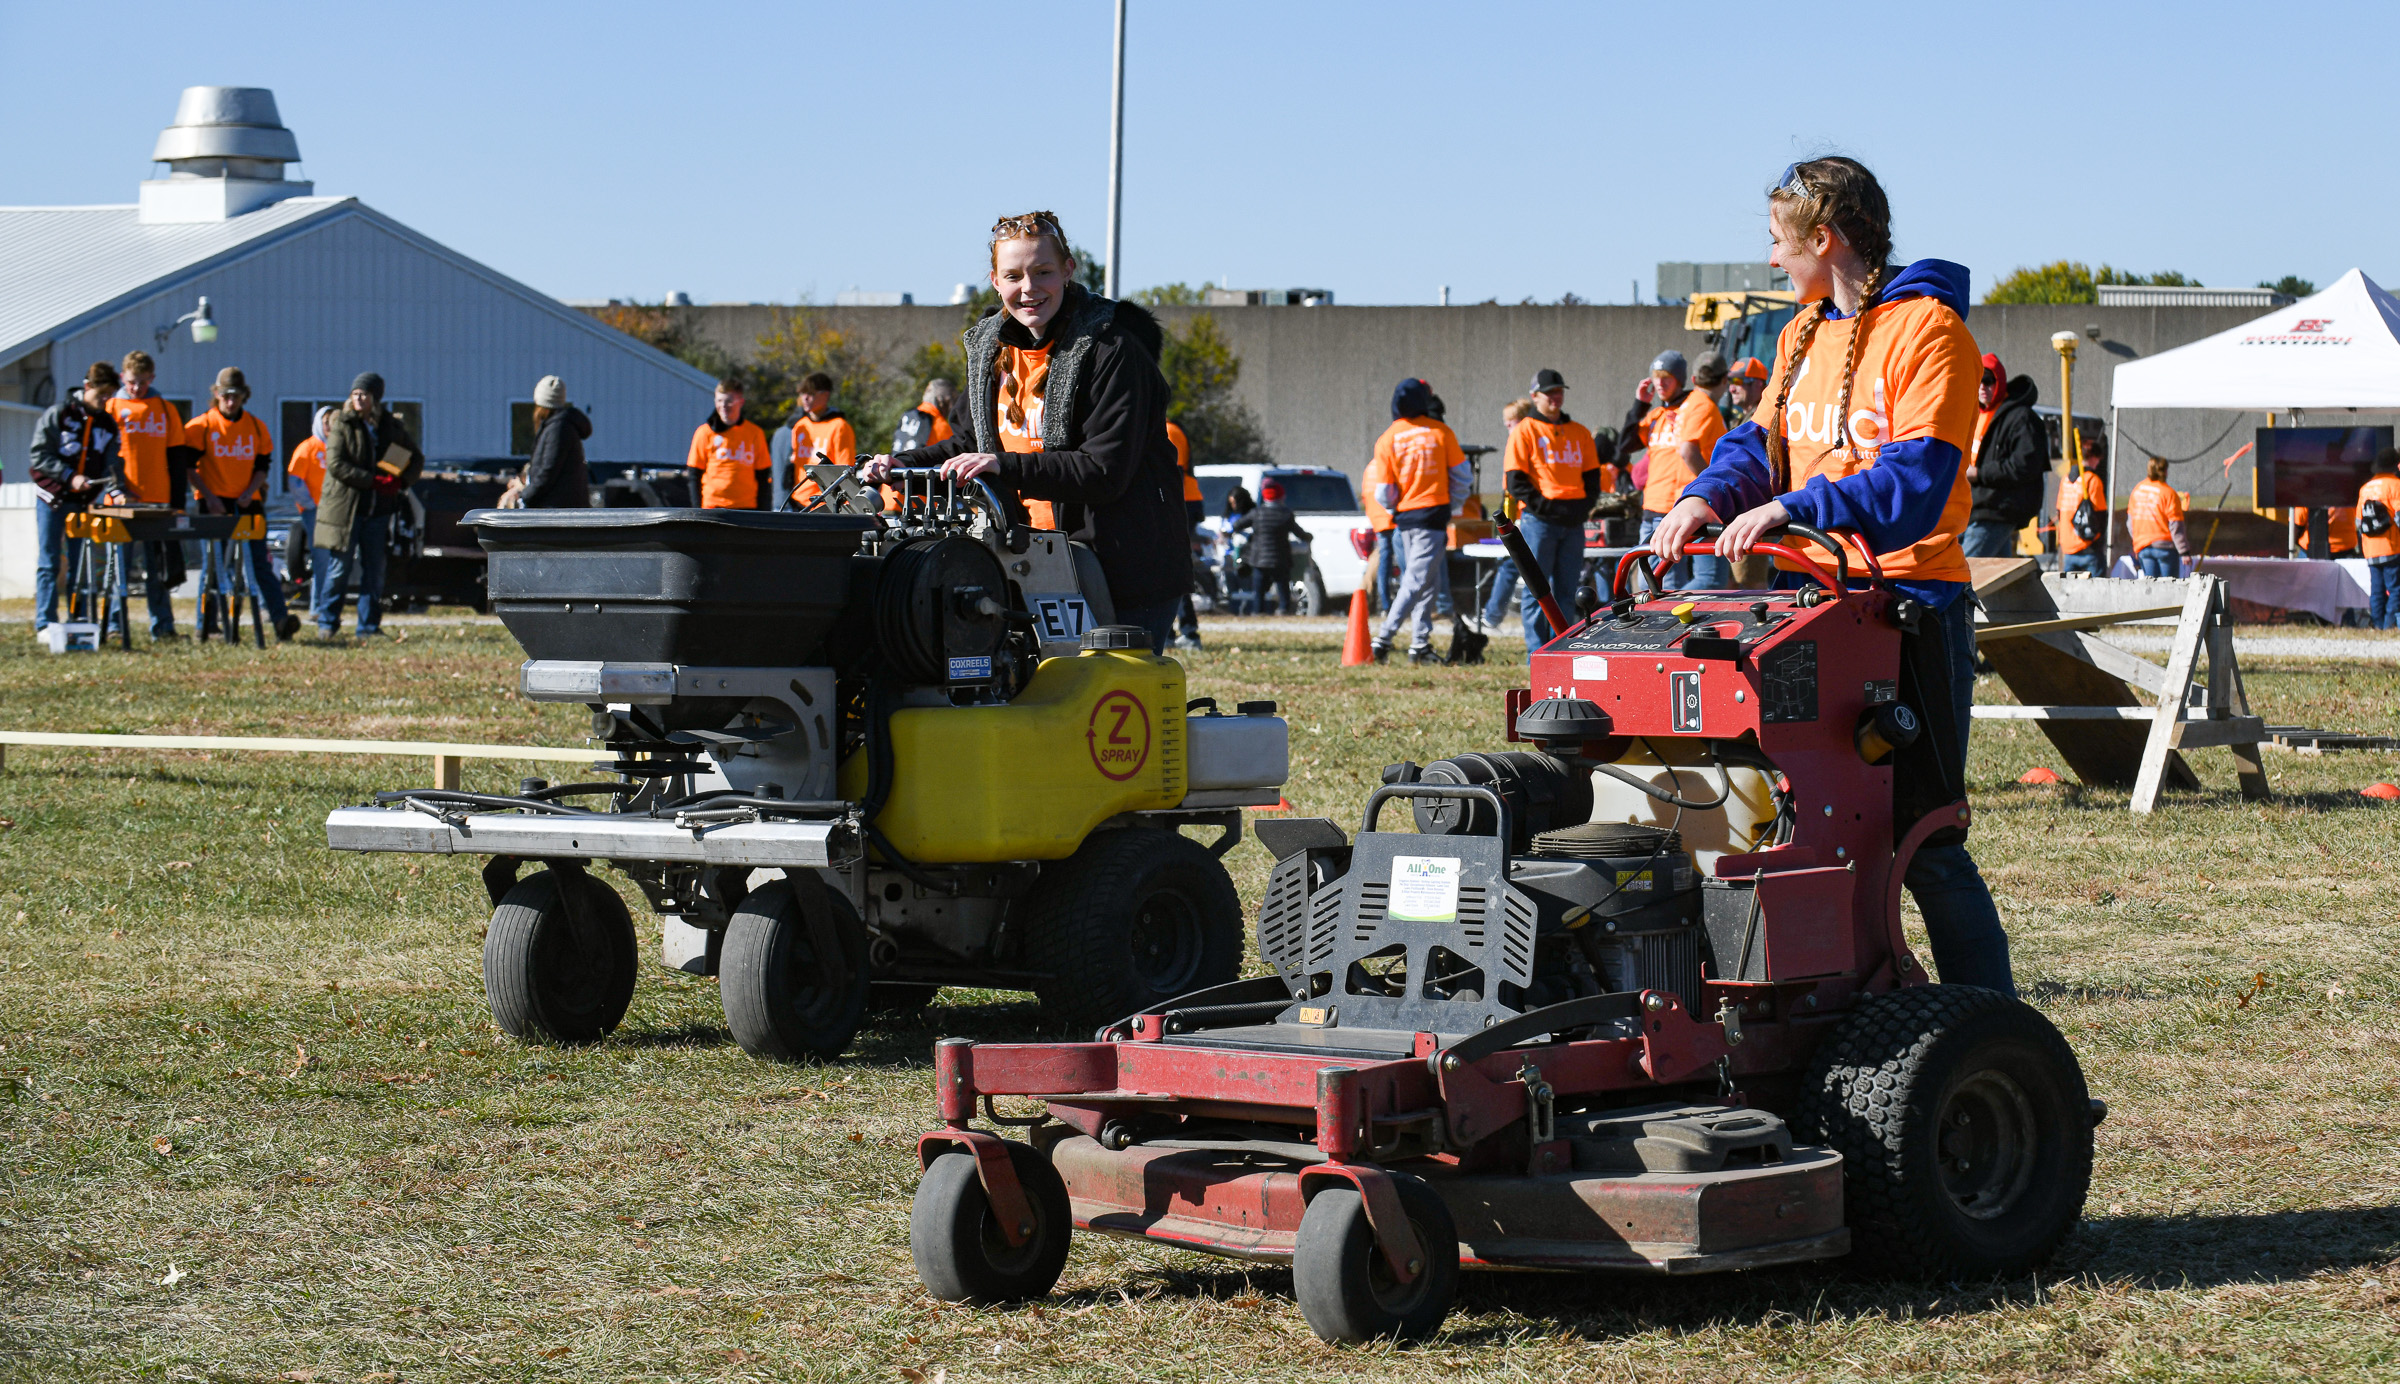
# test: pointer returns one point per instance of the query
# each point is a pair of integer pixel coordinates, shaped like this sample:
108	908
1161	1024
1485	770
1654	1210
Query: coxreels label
1119	735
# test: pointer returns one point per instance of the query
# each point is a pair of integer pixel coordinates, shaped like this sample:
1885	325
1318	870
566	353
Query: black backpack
2087	521
2374	518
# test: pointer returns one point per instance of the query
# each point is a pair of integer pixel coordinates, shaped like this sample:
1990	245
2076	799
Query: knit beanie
550	393
370	382
1672	363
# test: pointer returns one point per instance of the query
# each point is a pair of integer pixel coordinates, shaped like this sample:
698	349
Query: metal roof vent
225	155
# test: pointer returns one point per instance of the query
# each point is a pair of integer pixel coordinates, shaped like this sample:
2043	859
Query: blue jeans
369	536
1387	569
1989	538
2158	560
1504	585
54	555
1970	947
2087	562
1158	619
2383	593
1558	556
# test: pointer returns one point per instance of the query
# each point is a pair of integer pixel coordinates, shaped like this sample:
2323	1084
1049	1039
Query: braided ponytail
1858	333
1840	193
1779	444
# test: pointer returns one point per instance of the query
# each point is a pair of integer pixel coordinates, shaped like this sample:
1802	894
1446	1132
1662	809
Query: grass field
263	1129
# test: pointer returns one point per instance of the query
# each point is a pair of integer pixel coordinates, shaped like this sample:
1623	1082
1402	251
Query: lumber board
2204	600
2099	753
2071	622
296	745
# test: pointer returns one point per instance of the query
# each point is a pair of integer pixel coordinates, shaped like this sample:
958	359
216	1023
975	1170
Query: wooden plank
2203	601
1991	574
2226	698
446	769
2099	753
294	745
2233	730
2136	670
2064	713
2072	622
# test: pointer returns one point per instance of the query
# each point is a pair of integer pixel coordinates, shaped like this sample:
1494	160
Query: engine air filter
1608	840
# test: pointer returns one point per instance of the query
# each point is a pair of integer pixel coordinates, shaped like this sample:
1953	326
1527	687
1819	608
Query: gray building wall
304	315
1320	379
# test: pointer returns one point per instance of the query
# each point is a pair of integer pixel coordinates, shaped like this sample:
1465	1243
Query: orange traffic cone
1355	645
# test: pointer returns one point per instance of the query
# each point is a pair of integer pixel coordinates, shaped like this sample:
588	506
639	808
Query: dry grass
267	1132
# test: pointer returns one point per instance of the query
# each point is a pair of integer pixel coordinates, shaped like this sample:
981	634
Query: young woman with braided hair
1873	408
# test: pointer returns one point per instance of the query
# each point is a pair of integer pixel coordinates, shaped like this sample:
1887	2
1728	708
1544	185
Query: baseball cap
1546	380
1709	370
1750	368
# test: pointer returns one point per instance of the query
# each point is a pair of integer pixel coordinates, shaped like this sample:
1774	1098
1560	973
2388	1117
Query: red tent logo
2311	324
1119	735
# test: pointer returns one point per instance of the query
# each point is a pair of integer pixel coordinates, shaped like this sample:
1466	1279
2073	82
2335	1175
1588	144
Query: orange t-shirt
308	465
230	450
2341	528
1416	455
2386	490
1378	518
827	441
1695	420
146	428
1024	377
1917	372
2153	506
1555	454
2071	495
729	463
1183	459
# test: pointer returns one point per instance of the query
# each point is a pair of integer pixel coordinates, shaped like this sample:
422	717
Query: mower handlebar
1841	555
1376	799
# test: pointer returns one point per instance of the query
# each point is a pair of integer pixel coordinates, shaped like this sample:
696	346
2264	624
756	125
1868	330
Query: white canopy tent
2336	349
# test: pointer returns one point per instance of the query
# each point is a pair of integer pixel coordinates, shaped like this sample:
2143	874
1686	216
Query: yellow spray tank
1089	737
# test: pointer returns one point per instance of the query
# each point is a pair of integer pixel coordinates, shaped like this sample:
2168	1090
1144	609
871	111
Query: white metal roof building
305	292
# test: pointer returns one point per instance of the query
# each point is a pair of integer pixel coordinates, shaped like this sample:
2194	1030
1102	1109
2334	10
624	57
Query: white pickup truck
1326	503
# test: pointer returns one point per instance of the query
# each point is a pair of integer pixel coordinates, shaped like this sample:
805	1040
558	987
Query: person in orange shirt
1747	386
307	466
2379	540
821	436
1873	410
1552	473
2078	552
232	472
2341	532
1677	434
1195	512
151	445
929	421
1422	477
731	456
2154	515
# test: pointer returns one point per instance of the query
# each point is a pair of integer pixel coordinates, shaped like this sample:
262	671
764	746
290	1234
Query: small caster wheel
793	972
559	958
1346	1287
961	1254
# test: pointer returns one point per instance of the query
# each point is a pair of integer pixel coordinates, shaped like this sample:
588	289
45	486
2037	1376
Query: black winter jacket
2012	461
71	440
1105	456
556	477
1270	528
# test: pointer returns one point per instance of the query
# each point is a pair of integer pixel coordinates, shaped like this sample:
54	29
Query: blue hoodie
1893	503
1412	399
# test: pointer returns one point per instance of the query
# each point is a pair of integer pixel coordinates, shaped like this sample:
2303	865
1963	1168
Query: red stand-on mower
1636	999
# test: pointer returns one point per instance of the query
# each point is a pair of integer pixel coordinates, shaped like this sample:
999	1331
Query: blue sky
781	152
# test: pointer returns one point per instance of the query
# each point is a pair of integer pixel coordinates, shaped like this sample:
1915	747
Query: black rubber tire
897	1000
1965	1131
793	972
960	1254
557	974
1134	918
1312	592
1346	1288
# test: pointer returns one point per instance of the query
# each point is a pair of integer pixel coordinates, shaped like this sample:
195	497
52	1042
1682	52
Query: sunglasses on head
1790	183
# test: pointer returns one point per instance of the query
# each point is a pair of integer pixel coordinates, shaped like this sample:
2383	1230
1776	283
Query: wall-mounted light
204	326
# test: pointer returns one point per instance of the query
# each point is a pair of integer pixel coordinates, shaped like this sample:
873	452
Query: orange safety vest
146	428
230	450
2385	489
729	463
2341	528
1916	377
1416	455
2153	506
1555	454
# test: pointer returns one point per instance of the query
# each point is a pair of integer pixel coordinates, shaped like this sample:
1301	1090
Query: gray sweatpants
1423	568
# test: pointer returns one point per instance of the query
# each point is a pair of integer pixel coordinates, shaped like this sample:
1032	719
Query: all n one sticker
1683	696
1424	889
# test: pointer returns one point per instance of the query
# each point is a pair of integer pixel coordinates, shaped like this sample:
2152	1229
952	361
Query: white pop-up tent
2336	349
